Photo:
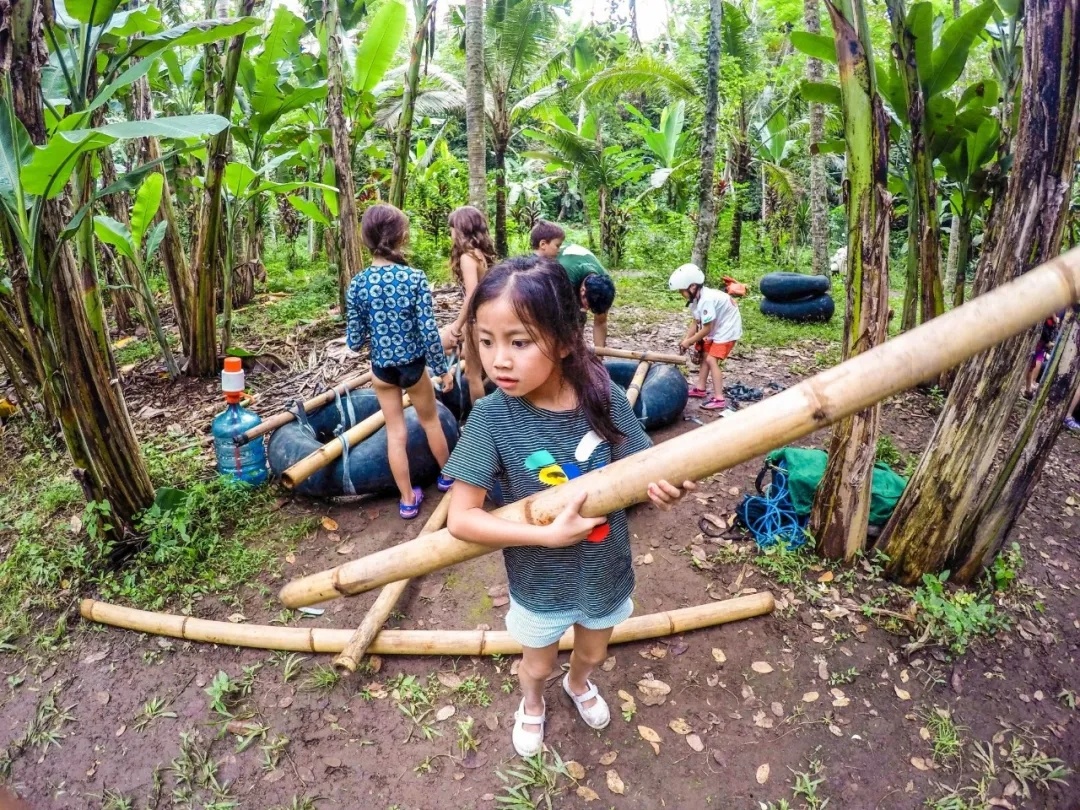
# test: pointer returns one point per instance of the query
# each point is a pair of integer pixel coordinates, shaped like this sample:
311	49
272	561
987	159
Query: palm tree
819	215
706	220
518	68
474	102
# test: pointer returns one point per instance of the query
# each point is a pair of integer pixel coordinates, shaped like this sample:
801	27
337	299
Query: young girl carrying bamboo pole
471	254
555	416
390	304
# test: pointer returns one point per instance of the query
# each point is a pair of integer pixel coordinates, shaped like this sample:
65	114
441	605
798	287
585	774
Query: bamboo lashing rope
325	398
841	391
652	357
349	658
412	642
310	464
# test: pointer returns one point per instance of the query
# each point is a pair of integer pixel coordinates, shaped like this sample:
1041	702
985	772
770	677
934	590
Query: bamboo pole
329	452
652	357
412	642
313	404
349	658
634	390
848	388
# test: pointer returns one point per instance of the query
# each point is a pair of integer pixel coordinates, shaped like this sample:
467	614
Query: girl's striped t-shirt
510	442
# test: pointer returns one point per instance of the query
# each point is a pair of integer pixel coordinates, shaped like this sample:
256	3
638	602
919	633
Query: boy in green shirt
594	286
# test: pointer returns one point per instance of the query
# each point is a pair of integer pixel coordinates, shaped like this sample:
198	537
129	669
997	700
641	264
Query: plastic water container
246	462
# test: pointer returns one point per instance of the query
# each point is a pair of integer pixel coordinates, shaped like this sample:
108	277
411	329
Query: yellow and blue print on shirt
551	473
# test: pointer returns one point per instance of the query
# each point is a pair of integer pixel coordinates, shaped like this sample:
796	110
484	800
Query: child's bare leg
590	650
703	373
717	379
536	664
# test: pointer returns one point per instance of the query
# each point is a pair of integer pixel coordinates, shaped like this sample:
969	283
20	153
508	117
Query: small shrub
956	619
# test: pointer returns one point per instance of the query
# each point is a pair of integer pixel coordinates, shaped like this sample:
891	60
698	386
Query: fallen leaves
651	737
643	559
329	524
810	697
920	763
761	667
762	775
575	769
903	694
680	726
431	590
451	680
655	691
609	757
718	655
609	664
615	783
694	741
445	713
347	548
94	657
237	618
587	793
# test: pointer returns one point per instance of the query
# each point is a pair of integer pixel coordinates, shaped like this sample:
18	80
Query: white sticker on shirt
589	442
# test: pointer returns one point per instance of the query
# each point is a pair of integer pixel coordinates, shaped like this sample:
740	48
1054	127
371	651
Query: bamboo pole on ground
412	642
313	404
306	467
349	658
652	357
848	388
634	389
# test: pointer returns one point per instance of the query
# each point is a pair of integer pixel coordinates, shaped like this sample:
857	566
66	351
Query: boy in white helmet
717	325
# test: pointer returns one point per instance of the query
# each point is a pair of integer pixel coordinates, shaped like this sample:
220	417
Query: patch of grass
888	452
196	775
474	690
321	679
786	566
806	783
136	352
44	730
945	736
953	619
845	677
534	784
298	803
415	699
154	708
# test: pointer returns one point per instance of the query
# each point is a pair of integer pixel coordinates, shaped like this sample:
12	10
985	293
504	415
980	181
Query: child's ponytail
384	229
544	300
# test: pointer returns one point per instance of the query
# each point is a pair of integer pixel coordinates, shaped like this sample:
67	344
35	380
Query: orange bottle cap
234	364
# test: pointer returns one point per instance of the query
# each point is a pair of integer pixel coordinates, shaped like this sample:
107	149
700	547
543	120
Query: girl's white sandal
528	743
596	716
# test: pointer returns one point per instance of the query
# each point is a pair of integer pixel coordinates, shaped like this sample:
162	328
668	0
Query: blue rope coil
771	517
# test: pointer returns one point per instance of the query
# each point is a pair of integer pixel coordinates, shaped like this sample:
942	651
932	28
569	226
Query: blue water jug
241	462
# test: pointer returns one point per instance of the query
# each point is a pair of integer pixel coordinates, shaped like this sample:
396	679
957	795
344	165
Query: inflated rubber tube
809	310
663	394
368	464
785	287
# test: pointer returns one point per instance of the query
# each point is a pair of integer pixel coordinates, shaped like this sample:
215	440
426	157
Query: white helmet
684	276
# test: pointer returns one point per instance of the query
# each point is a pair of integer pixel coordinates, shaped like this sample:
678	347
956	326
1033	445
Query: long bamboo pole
313	404
329	452
848	388
634	390
412	642
652	357
349	658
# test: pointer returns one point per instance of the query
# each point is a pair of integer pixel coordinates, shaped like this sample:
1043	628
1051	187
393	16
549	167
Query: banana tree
423	41
915	88
137	242
242	185
772	150
578	148
667	145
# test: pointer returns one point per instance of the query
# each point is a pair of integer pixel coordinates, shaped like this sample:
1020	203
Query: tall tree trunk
501	246
399	178
635	38
1007	496
922	203
839	517
350	262
706	220
172	253
819	204
94	417
474	102
31	336
963	257
740	159
202	357
951	257
933	521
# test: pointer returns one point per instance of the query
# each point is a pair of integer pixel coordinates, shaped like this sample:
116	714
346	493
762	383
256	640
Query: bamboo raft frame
325	398
822	400
652	357
412	642
349	658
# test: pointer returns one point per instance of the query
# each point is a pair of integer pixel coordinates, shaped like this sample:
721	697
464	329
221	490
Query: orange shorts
719	350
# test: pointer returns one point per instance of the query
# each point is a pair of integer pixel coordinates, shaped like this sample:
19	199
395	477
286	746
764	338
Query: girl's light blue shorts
540	629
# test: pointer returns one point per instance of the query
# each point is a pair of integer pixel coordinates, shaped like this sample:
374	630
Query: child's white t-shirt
716	307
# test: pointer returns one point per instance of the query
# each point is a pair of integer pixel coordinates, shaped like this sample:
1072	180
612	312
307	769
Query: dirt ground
766	700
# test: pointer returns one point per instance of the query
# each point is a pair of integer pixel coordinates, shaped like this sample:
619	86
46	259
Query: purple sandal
409	511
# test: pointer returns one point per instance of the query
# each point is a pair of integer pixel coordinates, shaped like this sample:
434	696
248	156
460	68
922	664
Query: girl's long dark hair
544	300
383	229
473	237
